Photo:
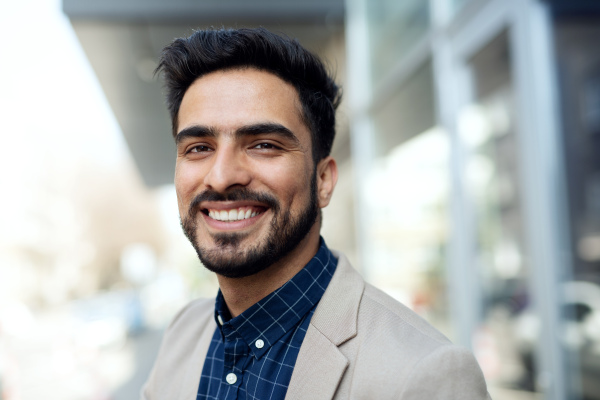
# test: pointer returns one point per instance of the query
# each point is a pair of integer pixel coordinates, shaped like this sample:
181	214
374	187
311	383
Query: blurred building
470	166
475	140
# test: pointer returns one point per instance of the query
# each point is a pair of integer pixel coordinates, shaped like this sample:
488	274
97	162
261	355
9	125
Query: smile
234	214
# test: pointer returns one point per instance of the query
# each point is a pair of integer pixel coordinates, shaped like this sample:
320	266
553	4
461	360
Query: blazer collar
320	365
337	312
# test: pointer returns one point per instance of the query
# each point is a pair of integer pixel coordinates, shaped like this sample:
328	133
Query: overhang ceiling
122	40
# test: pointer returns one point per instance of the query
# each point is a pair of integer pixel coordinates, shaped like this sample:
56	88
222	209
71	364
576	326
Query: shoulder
185	341
192	317
400	355
364	312
395	353
391	336
380	312
187	327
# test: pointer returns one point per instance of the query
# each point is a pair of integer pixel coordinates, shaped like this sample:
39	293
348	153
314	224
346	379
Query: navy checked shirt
252	356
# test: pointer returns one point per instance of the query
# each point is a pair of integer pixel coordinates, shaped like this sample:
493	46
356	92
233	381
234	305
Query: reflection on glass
407	199
458	5
394	27
408	112
577	42
407	192
505	340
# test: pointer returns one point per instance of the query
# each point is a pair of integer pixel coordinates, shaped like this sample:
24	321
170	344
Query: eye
265	146
199	149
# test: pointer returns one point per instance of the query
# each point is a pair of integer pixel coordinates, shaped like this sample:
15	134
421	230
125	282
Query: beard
228	259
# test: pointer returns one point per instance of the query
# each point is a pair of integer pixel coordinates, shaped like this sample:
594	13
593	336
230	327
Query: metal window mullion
481	29
452	50
451	85
360	95
537	133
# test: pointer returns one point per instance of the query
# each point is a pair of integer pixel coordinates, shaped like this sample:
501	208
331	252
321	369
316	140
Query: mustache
237	194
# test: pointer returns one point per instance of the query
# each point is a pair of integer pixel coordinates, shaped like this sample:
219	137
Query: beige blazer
360	344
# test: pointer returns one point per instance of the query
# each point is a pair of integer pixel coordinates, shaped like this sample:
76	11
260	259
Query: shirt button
231	378
259	344
220	319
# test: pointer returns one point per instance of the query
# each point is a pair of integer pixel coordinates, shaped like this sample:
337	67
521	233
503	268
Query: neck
241	293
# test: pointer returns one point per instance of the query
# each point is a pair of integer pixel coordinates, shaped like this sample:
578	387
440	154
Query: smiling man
254	119
246	176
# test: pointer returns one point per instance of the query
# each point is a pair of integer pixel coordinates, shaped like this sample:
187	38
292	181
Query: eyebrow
268	127
195	131
246	130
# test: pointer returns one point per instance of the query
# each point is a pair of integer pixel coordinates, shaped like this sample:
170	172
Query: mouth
233	214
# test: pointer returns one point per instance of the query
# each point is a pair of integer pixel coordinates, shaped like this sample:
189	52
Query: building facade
474	133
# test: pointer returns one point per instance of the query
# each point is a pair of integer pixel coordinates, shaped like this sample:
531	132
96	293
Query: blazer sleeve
450	372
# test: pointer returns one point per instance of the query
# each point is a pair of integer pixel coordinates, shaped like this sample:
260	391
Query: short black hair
205	51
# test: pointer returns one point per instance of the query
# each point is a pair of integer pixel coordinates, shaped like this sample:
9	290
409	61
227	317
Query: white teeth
232	215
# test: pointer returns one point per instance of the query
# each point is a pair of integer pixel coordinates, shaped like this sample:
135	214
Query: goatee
285	234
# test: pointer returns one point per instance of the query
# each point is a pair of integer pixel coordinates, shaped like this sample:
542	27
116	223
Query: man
254	119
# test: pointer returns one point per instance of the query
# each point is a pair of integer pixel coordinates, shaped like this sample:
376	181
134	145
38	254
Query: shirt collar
270	318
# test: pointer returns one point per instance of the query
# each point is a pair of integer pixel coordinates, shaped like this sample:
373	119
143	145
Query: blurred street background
468	146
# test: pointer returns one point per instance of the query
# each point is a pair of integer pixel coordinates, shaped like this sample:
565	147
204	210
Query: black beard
285	235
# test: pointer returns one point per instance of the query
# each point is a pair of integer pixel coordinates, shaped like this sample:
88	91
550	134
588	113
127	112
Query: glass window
406	195
579	67
407	208
457	5
408	112
394	27
506	337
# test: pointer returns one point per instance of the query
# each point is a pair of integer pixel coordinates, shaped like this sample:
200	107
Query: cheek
187	179
290	182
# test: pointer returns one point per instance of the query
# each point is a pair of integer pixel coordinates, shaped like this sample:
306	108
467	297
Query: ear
327	175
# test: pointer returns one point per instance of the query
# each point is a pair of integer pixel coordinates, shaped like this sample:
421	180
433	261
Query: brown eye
265	146
200	149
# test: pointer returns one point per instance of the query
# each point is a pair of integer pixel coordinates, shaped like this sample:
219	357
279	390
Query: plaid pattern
260	346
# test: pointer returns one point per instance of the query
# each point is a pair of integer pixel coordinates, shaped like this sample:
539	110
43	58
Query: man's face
245	179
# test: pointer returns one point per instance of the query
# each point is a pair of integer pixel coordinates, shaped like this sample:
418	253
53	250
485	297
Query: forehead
230	98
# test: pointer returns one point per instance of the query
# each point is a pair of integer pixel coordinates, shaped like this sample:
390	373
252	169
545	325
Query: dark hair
186	59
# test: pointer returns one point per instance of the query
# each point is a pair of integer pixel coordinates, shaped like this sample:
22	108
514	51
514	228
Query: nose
228	169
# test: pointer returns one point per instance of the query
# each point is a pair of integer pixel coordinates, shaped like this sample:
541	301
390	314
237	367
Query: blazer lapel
317	372
321	365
